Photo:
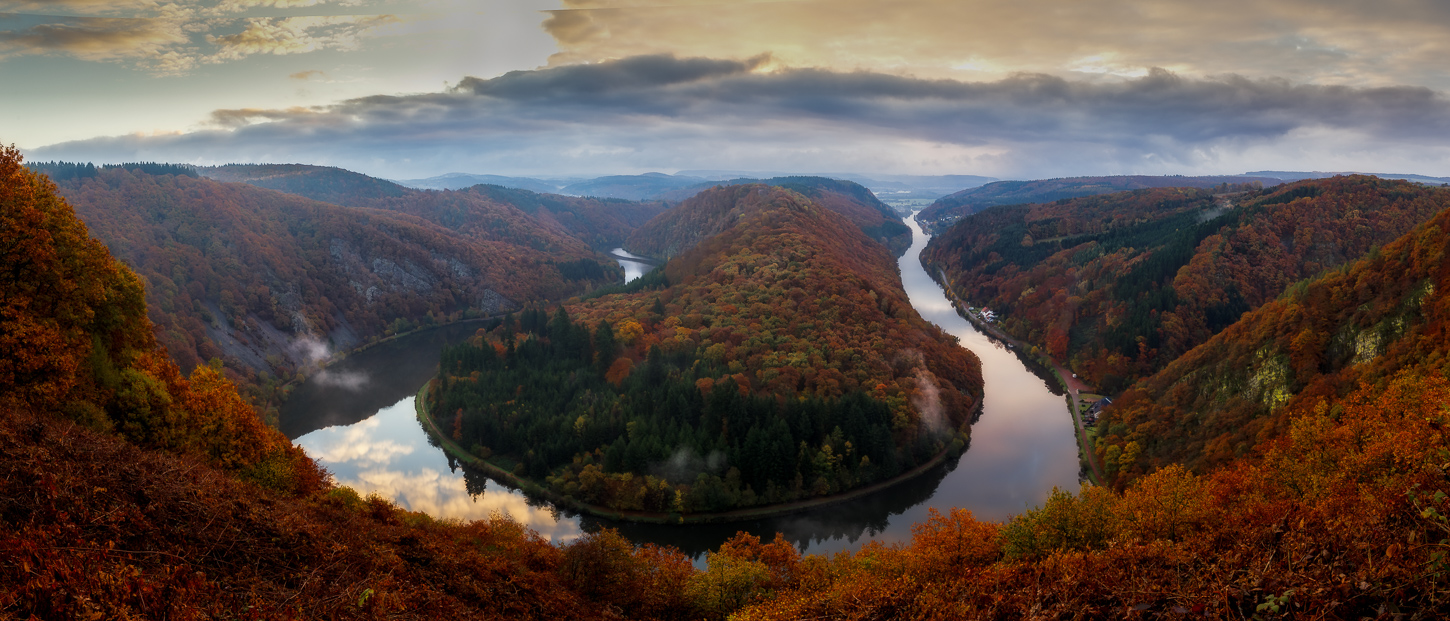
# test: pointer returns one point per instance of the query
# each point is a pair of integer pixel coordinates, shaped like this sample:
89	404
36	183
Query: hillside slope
128	491
271	283
675	231
953	207
547	222
1120	285
1360	324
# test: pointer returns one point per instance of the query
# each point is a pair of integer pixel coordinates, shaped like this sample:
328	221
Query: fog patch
928	404
685	465
311	350
347	380
927	397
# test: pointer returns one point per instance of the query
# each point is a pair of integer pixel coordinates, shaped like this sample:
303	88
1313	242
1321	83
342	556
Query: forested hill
269	282
324	183
1359	325
545	221
678	229
950	208
780	352
1120	285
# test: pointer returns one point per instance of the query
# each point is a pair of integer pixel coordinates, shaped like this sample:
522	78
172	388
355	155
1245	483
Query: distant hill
677	230
543	221
270	282
1119	285
954	206
459	181
1361	326
323	183
884	186
1300	176
631	187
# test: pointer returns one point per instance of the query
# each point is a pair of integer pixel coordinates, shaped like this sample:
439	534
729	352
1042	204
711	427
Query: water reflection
388	454
632	269
355	387
829	529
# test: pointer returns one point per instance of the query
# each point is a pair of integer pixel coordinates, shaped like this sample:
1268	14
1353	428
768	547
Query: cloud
308	75
296	35
84	7
357	444
1323	41
661	112
169	38
95	38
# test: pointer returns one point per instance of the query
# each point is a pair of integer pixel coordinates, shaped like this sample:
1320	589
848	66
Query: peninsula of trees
774	360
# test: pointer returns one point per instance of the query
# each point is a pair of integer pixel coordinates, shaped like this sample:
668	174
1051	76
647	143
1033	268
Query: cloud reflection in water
388	454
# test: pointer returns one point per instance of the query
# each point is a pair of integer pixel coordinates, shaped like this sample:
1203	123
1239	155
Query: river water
632	269
357	420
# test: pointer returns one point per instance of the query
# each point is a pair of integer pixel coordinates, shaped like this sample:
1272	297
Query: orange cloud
1305	40
95	38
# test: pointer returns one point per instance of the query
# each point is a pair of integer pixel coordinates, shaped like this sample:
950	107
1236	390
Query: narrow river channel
357	419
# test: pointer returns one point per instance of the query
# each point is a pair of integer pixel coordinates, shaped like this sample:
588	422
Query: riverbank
959	443
1065	378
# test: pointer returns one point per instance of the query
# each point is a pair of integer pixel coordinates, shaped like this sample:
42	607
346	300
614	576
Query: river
634	265
357	420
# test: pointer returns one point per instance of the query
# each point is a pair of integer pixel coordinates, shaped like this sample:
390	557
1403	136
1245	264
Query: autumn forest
1276	446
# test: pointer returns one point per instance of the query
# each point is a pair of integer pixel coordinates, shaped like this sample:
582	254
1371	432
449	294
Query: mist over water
1022	446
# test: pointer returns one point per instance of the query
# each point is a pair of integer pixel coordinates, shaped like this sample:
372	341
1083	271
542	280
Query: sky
553	88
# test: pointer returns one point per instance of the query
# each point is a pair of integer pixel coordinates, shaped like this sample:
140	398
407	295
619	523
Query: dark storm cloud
629	75
677	106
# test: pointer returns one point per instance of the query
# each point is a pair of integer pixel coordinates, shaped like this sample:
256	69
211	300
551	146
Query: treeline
65	171
554	401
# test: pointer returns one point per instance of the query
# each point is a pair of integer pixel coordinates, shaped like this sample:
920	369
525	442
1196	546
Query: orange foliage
791	296
1320	340
1339	519
619	370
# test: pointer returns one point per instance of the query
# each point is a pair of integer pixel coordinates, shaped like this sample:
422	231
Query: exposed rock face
491	302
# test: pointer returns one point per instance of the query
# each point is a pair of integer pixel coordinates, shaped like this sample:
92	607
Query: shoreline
959	444
1084	444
